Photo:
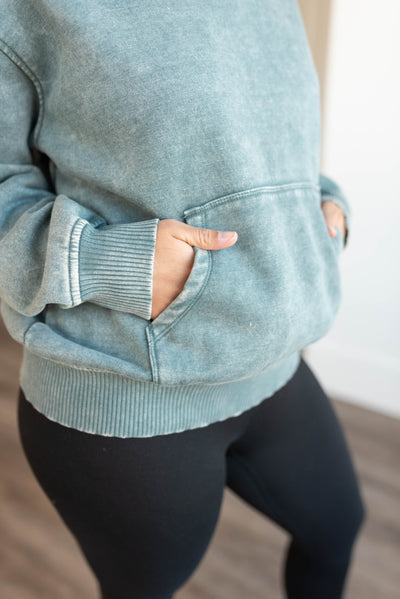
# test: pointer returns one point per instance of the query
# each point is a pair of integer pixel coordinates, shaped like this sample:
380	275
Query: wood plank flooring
39	558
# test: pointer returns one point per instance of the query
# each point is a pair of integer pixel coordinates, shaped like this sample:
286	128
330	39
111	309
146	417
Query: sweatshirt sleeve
54	250
331	191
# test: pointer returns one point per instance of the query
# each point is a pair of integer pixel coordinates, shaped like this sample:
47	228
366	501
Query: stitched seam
152	353
189	306
76	250
78	264
28	72
194	300
252	192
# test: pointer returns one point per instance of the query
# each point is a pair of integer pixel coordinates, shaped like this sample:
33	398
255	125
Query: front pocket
246	307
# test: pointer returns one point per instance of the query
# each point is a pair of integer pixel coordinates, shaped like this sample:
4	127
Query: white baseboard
357	376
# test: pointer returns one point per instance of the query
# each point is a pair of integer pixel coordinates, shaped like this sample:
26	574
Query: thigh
143	510
293	464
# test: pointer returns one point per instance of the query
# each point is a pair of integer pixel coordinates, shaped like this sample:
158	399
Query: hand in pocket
174	257
334	217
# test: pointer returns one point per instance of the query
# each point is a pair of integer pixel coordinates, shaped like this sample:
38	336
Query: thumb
207	239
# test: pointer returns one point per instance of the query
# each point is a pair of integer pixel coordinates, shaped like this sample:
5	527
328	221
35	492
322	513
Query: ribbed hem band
110	404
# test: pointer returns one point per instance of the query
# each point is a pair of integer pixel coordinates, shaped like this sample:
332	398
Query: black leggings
144	510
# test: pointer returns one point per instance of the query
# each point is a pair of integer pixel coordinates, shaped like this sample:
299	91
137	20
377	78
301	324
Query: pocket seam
301	199
190	304
152	338
201	211
254	191
152	354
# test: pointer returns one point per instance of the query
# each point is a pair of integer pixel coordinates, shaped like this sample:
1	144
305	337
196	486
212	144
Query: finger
208	239
332	230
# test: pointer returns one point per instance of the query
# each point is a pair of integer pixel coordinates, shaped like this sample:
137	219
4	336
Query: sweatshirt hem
110	404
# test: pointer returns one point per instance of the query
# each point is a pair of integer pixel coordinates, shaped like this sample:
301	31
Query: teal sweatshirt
115	115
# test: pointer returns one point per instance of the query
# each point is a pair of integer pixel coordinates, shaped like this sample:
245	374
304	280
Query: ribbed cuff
116	266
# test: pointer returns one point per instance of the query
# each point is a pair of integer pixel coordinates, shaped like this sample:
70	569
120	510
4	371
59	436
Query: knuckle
205	236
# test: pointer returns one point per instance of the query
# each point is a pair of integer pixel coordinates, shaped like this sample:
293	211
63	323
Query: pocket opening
246	307
184	301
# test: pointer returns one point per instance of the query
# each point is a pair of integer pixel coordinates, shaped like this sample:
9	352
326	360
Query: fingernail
333	230
226	235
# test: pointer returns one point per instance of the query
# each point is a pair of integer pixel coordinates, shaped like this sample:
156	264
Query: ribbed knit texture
116	266
123	407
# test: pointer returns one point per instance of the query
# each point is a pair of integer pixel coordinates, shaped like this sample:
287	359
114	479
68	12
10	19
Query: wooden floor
39	558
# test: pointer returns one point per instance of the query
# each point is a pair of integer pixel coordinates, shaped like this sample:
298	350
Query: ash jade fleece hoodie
117	114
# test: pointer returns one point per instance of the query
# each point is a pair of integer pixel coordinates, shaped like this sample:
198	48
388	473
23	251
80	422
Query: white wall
359	359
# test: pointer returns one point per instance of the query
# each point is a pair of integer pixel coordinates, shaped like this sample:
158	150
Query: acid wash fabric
114	115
